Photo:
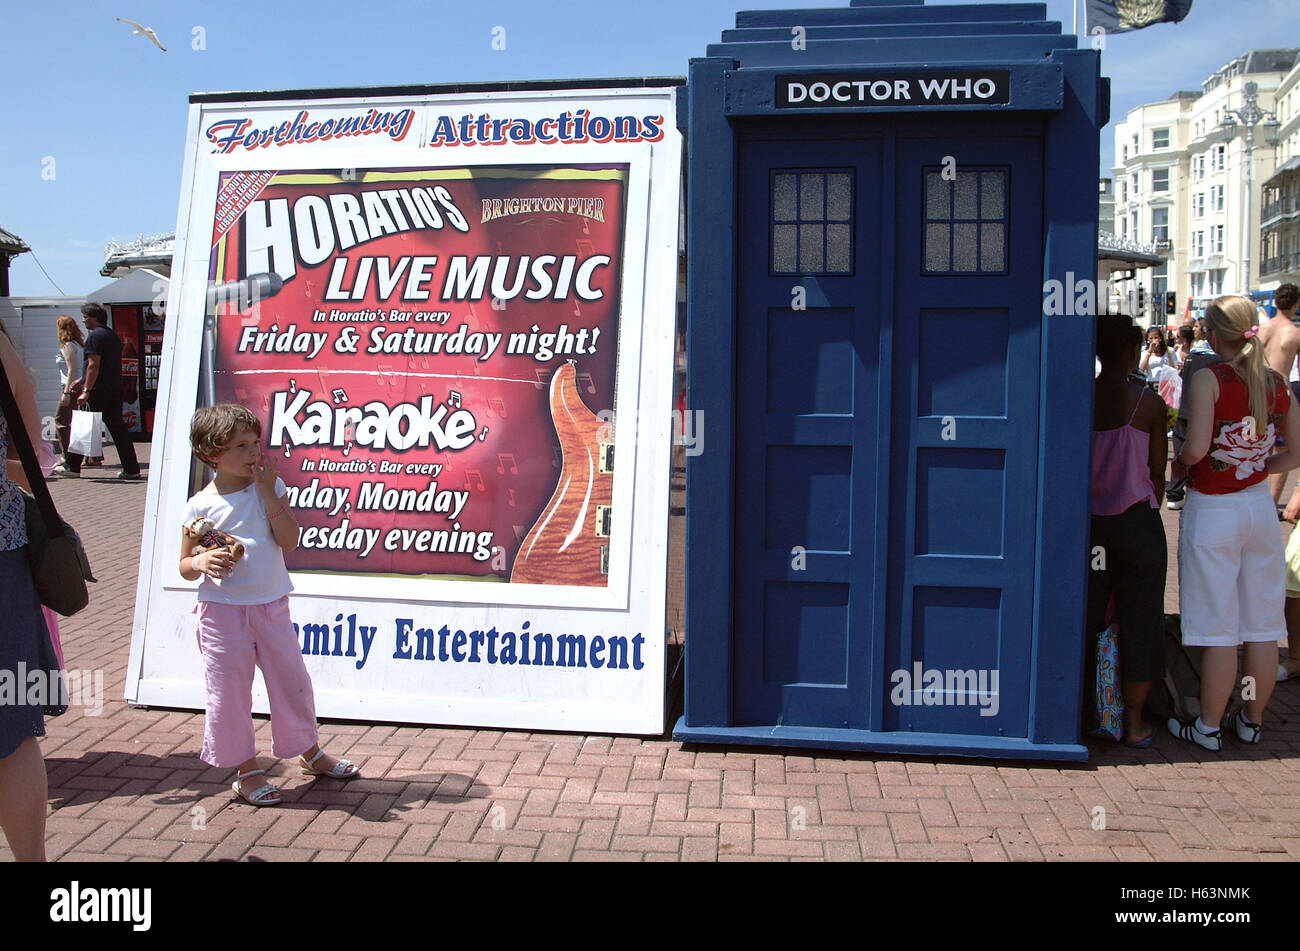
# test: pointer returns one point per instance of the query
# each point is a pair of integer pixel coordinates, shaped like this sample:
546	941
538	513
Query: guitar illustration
569	544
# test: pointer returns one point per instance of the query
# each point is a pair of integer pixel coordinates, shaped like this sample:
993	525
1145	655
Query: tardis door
808	428
965	421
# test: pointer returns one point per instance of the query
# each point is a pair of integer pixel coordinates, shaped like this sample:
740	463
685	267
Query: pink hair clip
1250	334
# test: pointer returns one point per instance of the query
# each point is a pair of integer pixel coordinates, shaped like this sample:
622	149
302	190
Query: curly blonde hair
213	428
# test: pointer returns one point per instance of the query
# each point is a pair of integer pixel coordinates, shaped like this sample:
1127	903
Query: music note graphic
483	435
586	378
504	459
293	386
498	404
454	397
511	499
474	475
339	395
387	375
585	229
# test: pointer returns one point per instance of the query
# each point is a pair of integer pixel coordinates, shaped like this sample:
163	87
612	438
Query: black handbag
60	568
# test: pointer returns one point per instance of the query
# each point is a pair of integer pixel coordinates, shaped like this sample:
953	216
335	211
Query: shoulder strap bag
60	568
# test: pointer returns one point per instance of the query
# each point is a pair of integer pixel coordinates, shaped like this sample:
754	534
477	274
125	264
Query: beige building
1280	206
1180	185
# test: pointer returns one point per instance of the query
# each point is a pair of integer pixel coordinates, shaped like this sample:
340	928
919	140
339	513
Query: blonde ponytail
1233	318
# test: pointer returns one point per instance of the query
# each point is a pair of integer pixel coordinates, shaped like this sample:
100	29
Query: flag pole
1076	17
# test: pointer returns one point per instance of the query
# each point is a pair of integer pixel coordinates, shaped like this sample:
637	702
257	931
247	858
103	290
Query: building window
1216	197
1160	279
1160	224
1123	191
1198	244
1198	284
1198	205
1133	184
812	221
1160	138
1198	167
1216	239
1219	158
966	221
1160	179
1133	224
1216	281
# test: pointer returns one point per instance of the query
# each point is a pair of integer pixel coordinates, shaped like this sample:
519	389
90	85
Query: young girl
1231	573
244	605
1157	354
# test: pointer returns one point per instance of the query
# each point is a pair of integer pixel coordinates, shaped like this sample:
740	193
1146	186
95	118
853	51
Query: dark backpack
1178	693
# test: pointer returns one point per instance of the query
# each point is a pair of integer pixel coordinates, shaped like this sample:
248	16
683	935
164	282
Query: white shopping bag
84	437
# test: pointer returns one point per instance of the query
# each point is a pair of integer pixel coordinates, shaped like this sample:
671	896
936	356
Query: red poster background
512	471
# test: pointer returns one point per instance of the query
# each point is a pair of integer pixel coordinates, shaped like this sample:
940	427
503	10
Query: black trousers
110	405
1133	547
1176	490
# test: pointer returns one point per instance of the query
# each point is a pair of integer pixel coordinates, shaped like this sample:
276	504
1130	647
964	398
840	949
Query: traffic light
1142	301
1171	304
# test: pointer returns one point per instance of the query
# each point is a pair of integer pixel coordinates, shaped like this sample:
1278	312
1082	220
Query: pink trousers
235	638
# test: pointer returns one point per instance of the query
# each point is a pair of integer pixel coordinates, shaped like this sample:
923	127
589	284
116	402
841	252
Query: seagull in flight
142	31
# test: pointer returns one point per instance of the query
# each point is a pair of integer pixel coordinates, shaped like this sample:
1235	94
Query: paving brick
737	838
877	842
556	847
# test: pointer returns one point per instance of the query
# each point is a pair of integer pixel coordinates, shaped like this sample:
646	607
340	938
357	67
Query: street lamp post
1249	116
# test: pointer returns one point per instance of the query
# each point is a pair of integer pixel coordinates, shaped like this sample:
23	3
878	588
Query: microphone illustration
244	294
241	297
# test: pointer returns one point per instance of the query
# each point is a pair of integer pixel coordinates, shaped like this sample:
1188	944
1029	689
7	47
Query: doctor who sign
462	360
915	88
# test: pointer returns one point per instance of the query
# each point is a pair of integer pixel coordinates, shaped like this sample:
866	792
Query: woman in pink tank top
1231	568
1129	449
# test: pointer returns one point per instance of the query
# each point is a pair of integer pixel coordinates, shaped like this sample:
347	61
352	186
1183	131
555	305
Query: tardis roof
894	31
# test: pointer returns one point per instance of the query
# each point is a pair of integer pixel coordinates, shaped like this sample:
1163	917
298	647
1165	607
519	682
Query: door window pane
785	200
965	227
811	224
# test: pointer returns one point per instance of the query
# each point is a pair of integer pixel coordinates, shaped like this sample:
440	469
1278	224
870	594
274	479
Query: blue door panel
965	430
808	378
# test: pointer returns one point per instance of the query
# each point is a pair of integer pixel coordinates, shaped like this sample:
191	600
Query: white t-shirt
260	577
1170	359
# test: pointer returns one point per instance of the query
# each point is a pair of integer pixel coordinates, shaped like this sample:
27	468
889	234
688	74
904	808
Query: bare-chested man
1281	339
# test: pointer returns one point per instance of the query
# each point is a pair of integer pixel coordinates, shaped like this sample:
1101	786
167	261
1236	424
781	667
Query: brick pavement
128	785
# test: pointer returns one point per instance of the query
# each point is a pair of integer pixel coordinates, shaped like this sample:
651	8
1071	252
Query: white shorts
1231	569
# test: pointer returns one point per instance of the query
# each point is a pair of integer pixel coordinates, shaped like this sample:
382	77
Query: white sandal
261	796
343	769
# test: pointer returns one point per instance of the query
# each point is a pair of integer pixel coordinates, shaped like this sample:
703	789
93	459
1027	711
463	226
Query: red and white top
1238	453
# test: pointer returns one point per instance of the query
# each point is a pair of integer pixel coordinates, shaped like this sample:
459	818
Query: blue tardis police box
886	530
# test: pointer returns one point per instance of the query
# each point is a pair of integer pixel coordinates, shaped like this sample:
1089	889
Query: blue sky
110	108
